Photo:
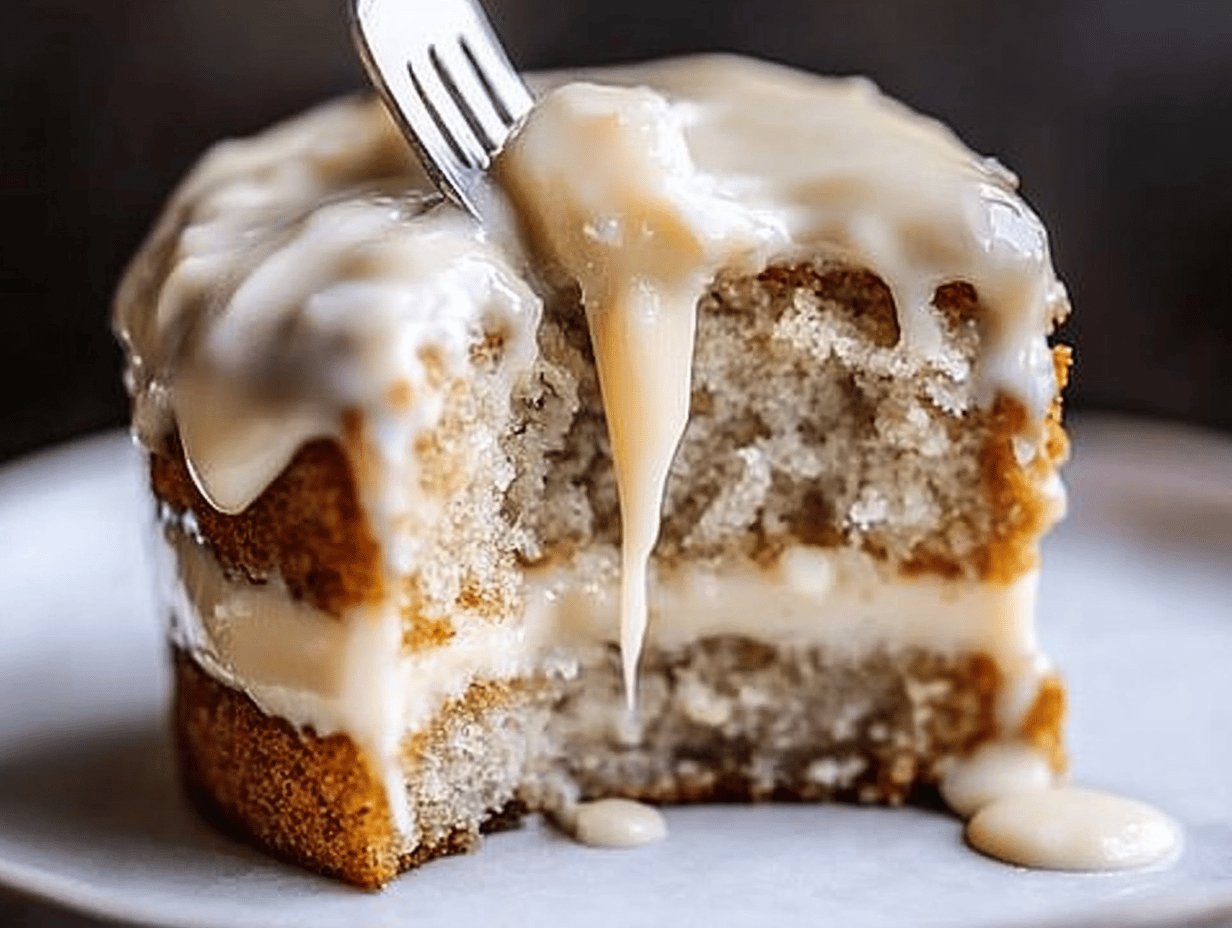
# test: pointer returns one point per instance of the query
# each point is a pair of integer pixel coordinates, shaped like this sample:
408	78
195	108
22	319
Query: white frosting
616	823
841	600
640	201
314	671
301	275
1074	829
846	171
309	270
294	661
309	274
307	667
1019	813
996	769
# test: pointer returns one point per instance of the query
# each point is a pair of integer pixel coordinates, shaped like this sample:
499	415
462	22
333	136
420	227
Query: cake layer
733	718
308	273
809	423
815	677
724	719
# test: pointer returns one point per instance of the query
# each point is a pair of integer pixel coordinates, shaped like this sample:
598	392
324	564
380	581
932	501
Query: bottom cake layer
735	719
727	718
319	803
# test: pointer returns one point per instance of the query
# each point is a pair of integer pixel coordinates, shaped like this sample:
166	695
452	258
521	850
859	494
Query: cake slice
713	465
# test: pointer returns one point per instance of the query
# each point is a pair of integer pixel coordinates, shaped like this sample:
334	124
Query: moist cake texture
397	545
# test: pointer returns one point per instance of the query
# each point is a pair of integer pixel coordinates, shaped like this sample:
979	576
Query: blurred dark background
1117	114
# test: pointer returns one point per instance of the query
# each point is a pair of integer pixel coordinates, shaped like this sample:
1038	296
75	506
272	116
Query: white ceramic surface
1136	607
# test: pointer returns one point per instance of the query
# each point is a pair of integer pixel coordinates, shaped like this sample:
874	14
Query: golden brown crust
1021	509
316	802
1019	513
309	800
307	526
1045	722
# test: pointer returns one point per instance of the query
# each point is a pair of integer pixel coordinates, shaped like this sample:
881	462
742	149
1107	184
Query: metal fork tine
446	80
502	111
472	98
494	71
441	144
438	153
444	111
405	104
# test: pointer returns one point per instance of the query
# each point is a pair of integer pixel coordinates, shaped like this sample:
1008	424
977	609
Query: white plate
1137	608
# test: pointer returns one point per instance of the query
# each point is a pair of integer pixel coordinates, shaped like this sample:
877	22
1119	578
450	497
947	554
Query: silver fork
443	75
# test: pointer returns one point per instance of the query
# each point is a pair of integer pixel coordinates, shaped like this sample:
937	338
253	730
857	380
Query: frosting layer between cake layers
303	665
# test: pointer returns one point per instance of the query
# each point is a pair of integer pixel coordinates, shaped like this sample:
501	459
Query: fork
444	77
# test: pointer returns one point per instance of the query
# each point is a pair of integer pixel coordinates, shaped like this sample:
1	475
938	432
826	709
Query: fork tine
471	96
487	58
443	108
437	152
446	81
502	110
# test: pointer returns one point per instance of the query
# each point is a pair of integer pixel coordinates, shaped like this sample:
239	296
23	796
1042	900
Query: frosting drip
640	196
642	232
306	273
1074	829
616	823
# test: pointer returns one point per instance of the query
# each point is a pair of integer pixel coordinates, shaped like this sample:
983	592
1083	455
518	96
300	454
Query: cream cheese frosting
271	645
641	201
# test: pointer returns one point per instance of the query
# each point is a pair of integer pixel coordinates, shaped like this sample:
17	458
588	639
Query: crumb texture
810	422
727	719
463	771
457	568
734	719
316	802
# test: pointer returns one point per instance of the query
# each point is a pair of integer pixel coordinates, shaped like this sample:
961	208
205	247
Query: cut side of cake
712	466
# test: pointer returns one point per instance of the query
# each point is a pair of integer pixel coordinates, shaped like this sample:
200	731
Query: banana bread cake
712	465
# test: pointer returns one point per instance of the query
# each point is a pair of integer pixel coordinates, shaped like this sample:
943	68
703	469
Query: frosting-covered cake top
311	269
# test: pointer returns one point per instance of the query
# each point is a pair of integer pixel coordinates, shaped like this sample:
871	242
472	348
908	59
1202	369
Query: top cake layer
303	274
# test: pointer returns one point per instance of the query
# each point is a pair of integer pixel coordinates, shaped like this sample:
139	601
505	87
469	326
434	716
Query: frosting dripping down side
642	232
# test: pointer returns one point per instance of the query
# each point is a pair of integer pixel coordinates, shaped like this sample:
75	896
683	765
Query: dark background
1117	114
